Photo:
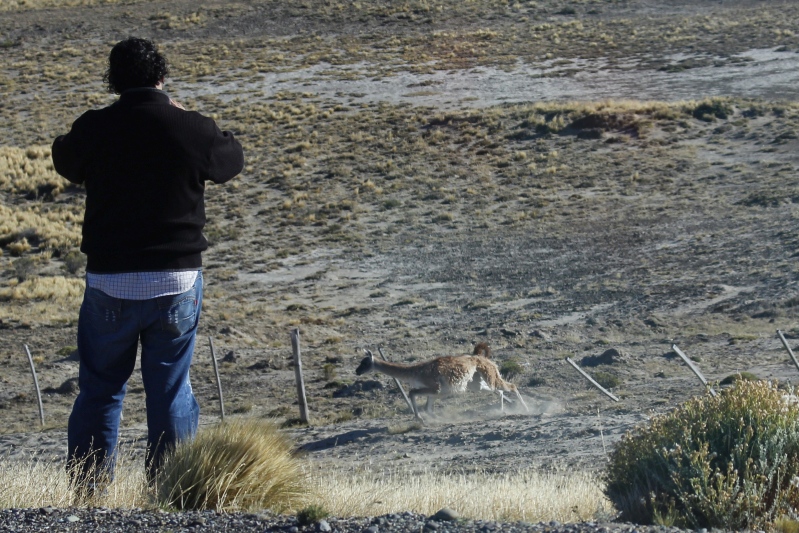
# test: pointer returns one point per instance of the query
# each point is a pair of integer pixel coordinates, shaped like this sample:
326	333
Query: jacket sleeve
67	155
226	158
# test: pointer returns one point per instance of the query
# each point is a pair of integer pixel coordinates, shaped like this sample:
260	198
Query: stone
445	515
608	357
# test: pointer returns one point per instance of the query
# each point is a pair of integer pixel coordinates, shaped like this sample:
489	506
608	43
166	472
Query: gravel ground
127	520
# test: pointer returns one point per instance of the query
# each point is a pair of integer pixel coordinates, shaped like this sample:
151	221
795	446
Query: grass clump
43	288
728	462
311	514
74	261
713	108
511	368
238	465
732	378
607	380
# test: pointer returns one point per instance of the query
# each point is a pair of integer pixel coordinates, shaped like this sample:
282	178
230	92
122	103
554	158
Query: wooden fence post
36	384
591	380
693	367
295	345
790	352
218	381
399	385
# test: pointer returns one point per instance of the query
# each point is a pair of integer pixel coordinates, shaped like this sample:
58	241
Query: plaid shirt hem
142	285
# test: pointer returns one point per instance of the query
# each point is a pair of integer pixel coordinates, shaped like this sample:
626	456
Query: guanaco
442	377
490	378
482	347
479	348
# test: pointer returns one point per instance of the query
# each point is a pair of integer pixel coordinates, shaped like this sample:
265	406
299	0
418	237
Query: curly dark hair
133	63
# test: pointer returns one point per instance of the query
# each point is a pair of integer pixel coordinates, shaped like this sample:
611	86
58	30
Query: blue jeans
109	330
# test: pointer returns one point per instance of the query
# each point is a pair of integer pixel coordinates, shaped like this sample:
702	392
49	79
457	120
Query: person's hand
176	104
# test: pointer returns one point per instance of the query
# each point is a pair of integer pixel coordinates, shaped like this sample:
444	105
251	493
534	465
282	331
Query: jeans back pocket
178	312
100	312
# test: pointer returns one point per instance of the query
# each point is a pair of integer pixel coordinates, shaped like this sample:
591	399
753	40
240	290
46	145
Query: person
144	161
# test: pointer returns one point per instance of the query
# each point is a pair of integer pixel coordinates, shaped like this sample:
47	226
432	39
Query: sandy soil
546	245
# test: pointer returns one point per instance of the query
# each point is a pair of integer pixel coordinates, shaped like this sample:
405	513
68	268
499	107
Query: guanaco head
367	364
483	348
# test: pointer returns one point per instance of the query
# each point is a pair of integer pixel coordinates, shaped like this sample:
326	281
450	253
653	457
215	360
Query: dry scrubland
549	229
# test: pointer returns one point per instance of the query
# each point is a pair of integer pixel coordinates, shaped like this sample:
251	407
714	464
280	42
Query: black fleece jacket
144	163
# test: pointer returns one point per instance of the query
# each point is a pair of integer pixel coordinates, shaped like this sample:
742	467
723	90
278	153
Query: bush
24	268
511	368
713	108
727	462
606	379
536	381
238	465
329	371
74	261
732	378
311	514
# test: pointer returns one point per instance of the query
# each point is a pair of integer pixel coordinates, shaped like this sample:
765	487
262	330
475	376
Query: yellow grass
38	481
44	288
27	169
237	465
41	312
57	226
42	300
528	495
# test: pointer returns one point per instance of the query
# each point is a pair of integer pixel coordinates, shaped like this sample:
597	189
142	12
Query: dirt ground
547	229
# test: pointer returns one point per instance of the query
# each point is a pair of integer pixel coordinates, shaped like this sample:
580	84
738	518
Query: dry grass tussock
29	170
57	227
44	288
42	300
238	465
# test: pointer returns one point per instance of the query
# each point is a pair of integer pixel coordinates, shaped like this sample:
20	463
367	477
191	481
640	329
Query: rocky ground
606	233
137	520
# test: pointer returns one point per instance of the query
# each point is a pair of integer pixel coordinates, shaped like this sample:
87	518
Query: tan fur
442	376
488	371
437	378
482	347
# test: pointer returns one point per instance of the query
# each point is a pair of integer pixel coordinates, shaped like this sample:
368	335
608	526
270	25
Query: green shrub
728	461
74	261
24	268
511	368
606	379
311	514
536	381
732	378
66	351
713	108
329	371
238	465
